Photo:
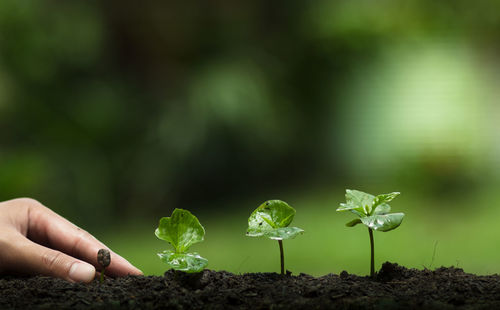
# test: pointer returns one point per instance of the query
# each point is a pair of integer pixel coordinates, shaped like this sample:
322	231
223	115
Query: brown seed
104	257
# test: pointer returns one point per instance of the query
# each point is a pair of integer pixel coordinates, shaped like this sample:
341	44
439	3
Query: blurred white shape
430	103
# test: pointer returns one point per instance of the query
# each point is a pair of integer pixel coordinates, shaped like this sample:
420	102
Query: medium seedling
271	219
104	259
182	229
373	212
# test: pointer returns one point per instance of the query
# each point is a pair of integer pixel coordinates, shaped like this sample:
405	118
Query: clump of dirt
391	272
394	287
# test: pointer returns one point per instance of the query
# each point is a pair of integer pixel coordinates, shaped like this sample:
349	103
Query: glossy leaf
373	211
283	233
188	262
364	204
271	219
382	209
270	215
384	198
360	199
359	211
383	222
353	223
181	230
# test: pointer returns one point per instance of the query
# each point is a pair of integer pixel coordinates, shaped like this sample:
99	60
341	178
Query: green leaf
353	223
188	262
359	211
384	222
277	233
382	209
364	204
384	198
271	219
181	230
270	215
360	200
372	210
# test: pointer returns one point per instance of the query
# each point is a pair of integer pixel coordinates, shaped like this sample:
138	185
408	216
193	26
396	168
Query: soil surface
394	287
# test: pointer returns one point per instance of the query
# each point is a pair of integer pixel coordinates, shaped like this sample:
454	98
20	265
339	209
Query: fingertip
81	272
131	270
122	267
136	272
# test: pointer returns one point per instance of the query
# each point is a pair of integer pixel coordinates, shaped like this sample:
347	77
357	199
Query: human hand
36	240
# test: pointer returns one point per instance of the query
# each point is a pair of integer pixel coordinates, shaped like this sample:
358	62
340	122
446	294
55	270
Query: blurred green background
113	113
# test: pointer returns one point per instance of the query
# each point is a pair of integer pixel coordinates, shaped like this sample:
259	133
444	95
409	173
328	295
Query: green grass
464	232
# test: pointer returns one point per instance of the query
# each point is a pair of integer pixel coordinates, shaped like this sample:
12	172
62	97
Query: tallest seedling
373	212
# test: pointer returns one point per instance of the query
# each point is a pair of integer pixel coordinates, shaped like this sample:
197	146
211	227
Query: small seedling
373	212
271	219
104	259
182	229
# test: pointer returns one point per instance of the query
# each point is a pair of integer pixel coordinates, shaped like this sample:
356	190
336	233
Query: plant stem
282	257
102	275
372	258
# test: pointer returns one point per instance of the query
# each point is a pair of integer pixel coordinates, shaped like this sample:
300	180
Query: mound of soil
394	287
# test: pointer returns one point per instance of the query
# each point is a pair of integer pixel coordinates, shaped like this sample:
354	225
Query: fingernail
132	269
138	271
81	272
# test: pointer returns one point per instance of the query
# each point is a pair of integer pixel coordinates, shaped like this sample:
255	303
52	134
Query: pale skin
34	240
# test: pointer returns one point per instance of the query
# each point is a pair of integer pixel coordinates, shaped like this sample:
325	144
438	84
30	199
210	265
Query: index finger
57	232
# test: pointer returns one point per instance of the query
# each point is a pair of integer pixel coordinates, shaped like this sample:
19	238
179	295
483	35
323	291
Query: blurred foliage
127	110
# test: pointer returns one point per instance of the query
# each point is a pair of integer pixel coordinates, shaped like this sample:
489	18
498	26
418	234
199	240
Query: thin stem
282	257
102	275
372	258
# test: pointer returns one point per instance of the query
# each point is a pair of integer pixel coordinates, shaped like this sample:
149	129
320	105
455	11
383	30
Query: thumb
36	259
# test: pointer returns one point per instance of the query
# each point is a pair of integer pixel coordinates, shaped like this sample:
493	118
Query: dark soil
394	287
